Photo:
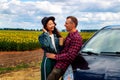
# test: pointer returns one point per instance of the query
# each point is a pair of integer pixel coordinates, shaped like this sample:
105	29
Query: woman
49	41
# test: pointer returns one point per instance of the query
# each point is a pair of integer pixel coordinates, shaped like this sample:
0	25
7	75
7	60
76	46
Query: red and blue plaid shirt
72	45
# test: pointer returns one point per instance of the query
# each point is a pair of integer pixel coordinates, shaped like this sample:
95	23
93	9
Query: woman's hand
44	30
61	41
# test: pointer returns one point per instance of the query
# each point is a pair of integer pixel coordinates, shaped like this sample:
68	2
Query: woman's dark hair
55	31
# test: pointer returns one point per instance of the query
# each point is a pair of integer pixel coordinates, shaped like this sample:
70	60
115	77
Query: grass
18	67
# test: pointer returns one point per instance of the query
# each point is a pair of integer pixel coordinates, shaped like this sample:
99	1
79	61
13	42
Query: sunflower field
15	40
11	40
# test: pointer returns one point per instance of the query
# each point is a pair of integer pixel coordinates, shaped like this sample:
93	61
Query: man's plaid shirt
72	45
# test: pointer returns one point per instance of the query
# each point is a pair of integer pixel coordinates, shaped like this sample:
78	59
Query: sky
27	14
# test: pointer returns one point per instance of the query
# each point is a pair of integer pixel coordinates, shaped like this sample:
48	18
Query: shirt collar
73	33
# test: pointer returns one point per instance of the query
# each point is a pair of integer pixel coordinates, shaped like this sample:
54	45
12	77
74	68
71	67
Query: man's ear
73	24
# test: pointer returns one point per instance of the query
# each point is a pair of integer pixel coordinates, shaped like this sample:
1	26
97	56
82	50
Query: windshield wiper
90	52
110	53
117	52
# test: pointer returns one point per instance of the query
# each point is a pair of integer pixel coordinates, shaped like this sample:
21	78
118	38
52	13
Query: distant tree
13	29
63	30
40	29
89	30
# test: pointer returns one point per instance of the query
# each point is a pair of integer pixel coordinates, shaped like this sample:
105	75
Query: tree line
20	29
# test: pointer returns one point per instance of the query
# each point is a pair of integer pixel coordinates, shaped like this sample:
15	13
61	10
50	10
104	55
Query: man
72	45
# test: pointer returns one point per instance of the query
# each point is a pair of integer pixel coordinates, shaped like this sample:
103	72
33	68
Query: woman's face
50	26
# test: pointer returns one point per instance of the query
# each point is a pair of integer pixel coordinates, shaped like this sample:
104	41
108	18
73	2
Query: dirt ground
13	58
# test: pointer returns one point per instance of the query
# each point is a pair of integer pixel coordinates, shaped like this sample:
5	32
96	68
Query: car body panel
101	67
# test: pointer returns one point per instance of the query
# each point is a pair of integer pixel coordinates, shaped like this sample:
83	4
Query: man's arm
50	55
71	54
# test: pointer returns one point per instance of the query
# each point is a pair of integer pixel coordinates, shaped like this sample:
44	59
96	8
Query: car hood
105	67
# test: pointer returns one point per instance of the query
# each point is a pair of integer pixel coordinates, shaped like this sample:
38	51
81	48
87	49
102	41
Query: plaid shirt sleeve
69	53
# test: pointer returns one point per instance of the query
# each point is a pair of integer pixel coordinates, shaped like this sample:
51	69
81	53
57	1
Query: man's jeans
55	74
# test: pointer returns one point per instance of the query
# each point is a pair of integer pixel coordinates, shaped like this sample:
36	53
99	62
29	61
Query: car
102	53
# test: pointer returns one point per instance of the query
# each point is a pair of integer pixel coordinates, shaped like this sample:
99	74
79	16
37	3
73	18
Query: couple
58	57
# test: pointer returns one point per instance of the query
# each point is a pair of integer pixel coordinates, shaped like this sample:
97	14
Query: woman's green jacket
46	44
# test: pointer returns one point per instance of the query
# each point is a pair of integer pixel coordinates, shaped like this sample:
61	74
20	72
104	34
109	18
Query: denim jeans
55	74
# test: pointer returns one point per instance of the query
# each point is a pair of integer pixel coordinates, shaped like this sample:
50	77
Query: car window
107	40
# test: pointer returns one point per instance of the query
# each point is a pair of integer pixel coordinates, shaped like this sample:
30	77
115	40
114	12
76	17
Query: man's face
68	25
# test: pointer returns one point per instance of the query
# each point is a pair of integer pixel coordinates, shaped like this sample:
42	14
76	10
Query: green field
14	40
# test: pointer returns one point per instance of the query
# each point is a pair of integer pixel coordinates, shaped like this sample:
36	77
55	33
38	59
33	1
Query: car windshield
107	41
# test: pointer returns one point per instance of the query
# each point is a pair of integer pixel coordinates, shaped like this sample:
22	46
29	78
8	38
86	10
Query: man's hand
50	55
44	30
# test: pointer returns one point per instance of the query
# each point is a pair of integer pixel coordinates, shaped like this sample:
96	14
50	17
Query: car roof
112	27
